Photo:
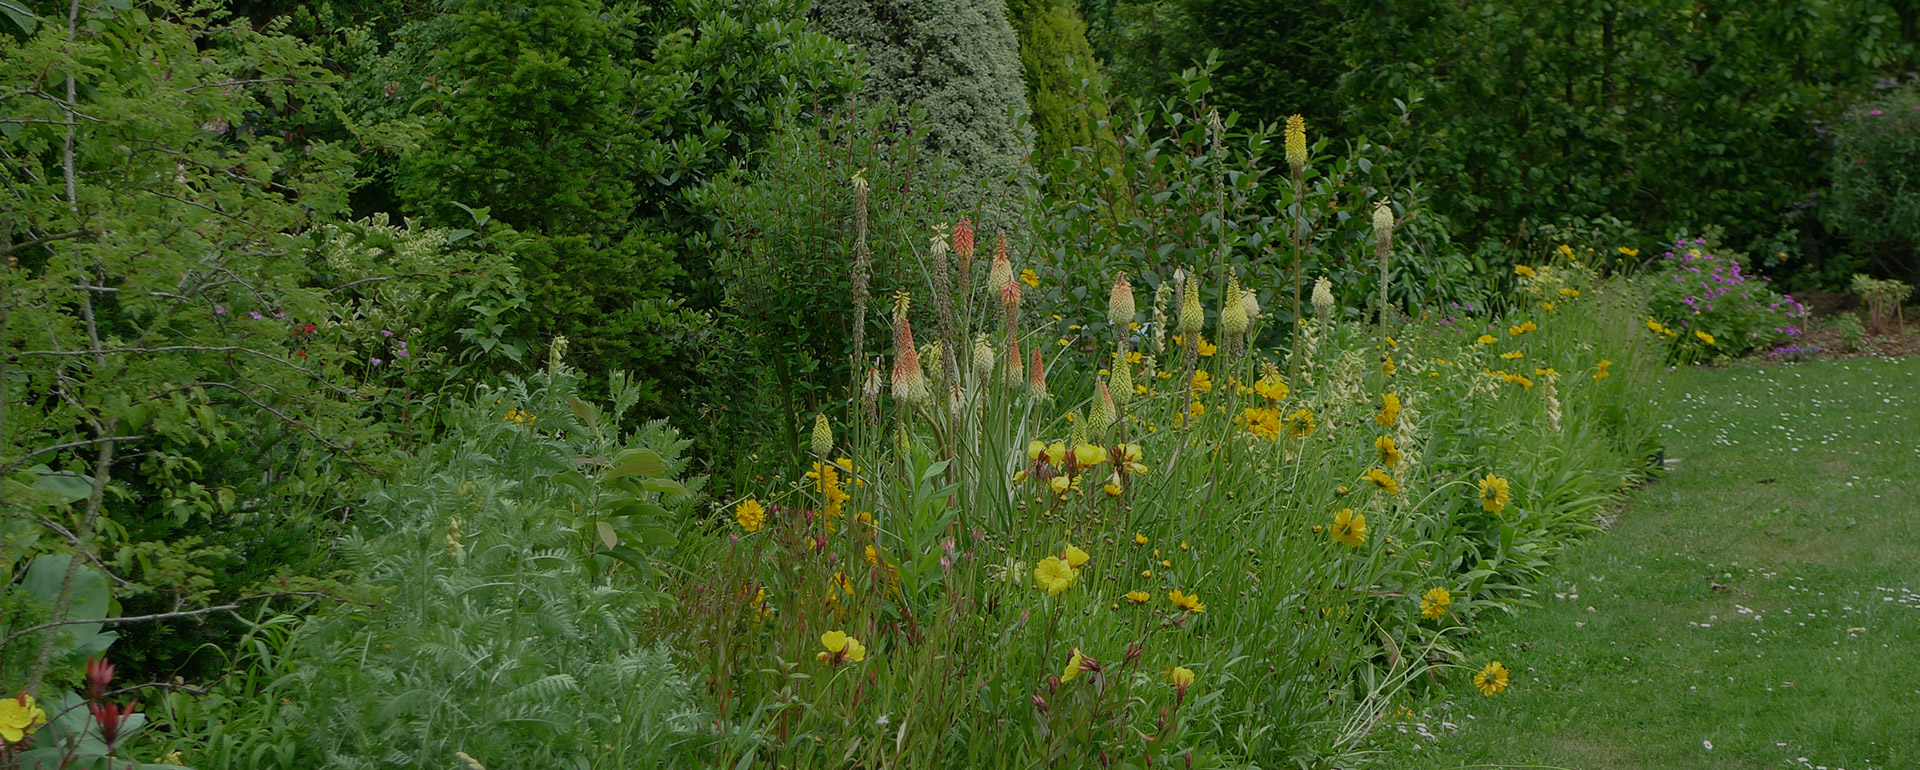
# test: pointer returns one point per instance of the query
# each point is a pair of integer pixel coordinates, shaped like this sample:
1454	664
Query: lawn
1758	607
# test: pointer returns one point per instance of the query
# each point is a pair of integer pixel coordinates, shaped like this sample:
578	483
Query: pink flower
1875	113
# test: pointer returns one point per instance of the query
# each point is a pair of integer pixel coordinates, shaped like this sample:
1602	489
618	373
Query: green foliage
960	61
1699	290
783	250
511	561
1876	190
1065	87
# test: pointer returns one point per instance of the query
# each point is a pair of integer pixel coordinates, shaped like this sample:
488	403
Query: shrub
1708	306
1876	192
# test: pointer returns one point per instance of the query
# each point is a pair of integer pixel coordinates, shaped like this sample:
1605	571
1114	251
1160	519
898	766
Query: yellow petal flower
1054	575
1074	556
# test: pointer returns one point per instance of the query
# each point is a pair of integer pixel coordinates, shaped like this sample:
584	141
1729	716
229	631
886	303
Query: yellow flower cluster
1659	328
1056	574
1522	328
751	516
841	648
519	417
1434	604
1389	410
1349	528
19	717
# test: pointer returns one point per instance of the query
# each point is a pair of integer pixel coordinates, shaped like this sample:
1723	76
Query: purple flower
279	314
219	309
1875	113
386	332
256	315
376	361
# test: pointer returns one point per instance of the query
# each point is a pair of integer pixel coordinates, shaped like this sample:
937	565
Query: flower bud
1297	142
982	357
822	437
1323	298
1192	318
1120	306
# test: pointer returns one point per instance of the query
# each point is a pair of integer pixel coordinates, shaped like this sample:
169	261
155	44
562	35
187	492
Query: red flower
99	673
110	717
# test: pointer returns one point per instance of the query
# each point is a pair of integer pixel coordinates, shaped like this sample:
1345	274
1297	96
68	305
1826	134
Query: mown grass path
1759	607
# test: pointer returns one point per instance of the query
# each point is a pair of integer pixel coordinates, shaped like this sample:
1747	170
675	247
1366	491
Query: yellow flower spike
1495	494
1054	575
1434	604
1486	339
1349	528
1492	679
1186	601
750	515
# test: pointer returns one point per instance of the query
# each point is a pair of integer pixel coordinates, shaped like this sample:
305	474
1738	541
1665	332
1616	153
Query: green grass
1763	597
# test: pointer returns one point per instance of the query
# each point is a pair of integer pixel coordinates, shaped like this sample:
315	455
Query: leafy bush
1708	305
507	565
1876	191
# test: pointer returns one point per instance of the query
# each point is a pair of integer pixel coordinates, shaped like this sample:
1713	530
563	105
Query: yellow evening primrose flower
1182	678
1487	339
1139	597
1704	337
1349	528
1389	452
750	515
1054	575
1056	453
1202	381
1074	556
1492	679
1112	487
1495	494
1185	601
1076	663
1600	371
1523	271
1383	481
1208	348
1028	277
1434	603
1059	484
1035	448
1389	409
1089	455
19	716
843	647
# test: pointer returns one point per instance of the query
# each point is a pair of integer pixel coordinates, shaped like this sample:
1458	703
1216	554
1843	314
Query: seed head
1120	306
982	357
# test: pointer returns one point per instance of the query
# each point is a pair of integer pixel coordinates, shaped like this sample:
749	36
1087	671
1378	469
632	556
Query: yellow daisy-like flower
1054	575
1487	339
1139	539
1202	381
1522	328
1139	597
1208	348
1547	372
1491	679
1513	355
1704	337
750	515
1495	493
1569	292
1548	306
1566	251
1186	601
1655	326
1383	481
1523	271
1434	603
1300	424
1387	368
1389	409
1600	370
1349	528
1028	277
873	556
19	717
1629	252
1271	387
1389	452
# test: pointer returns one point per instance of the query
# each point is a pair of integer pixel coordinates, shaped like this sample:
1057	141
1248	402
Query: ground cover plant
1753	609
